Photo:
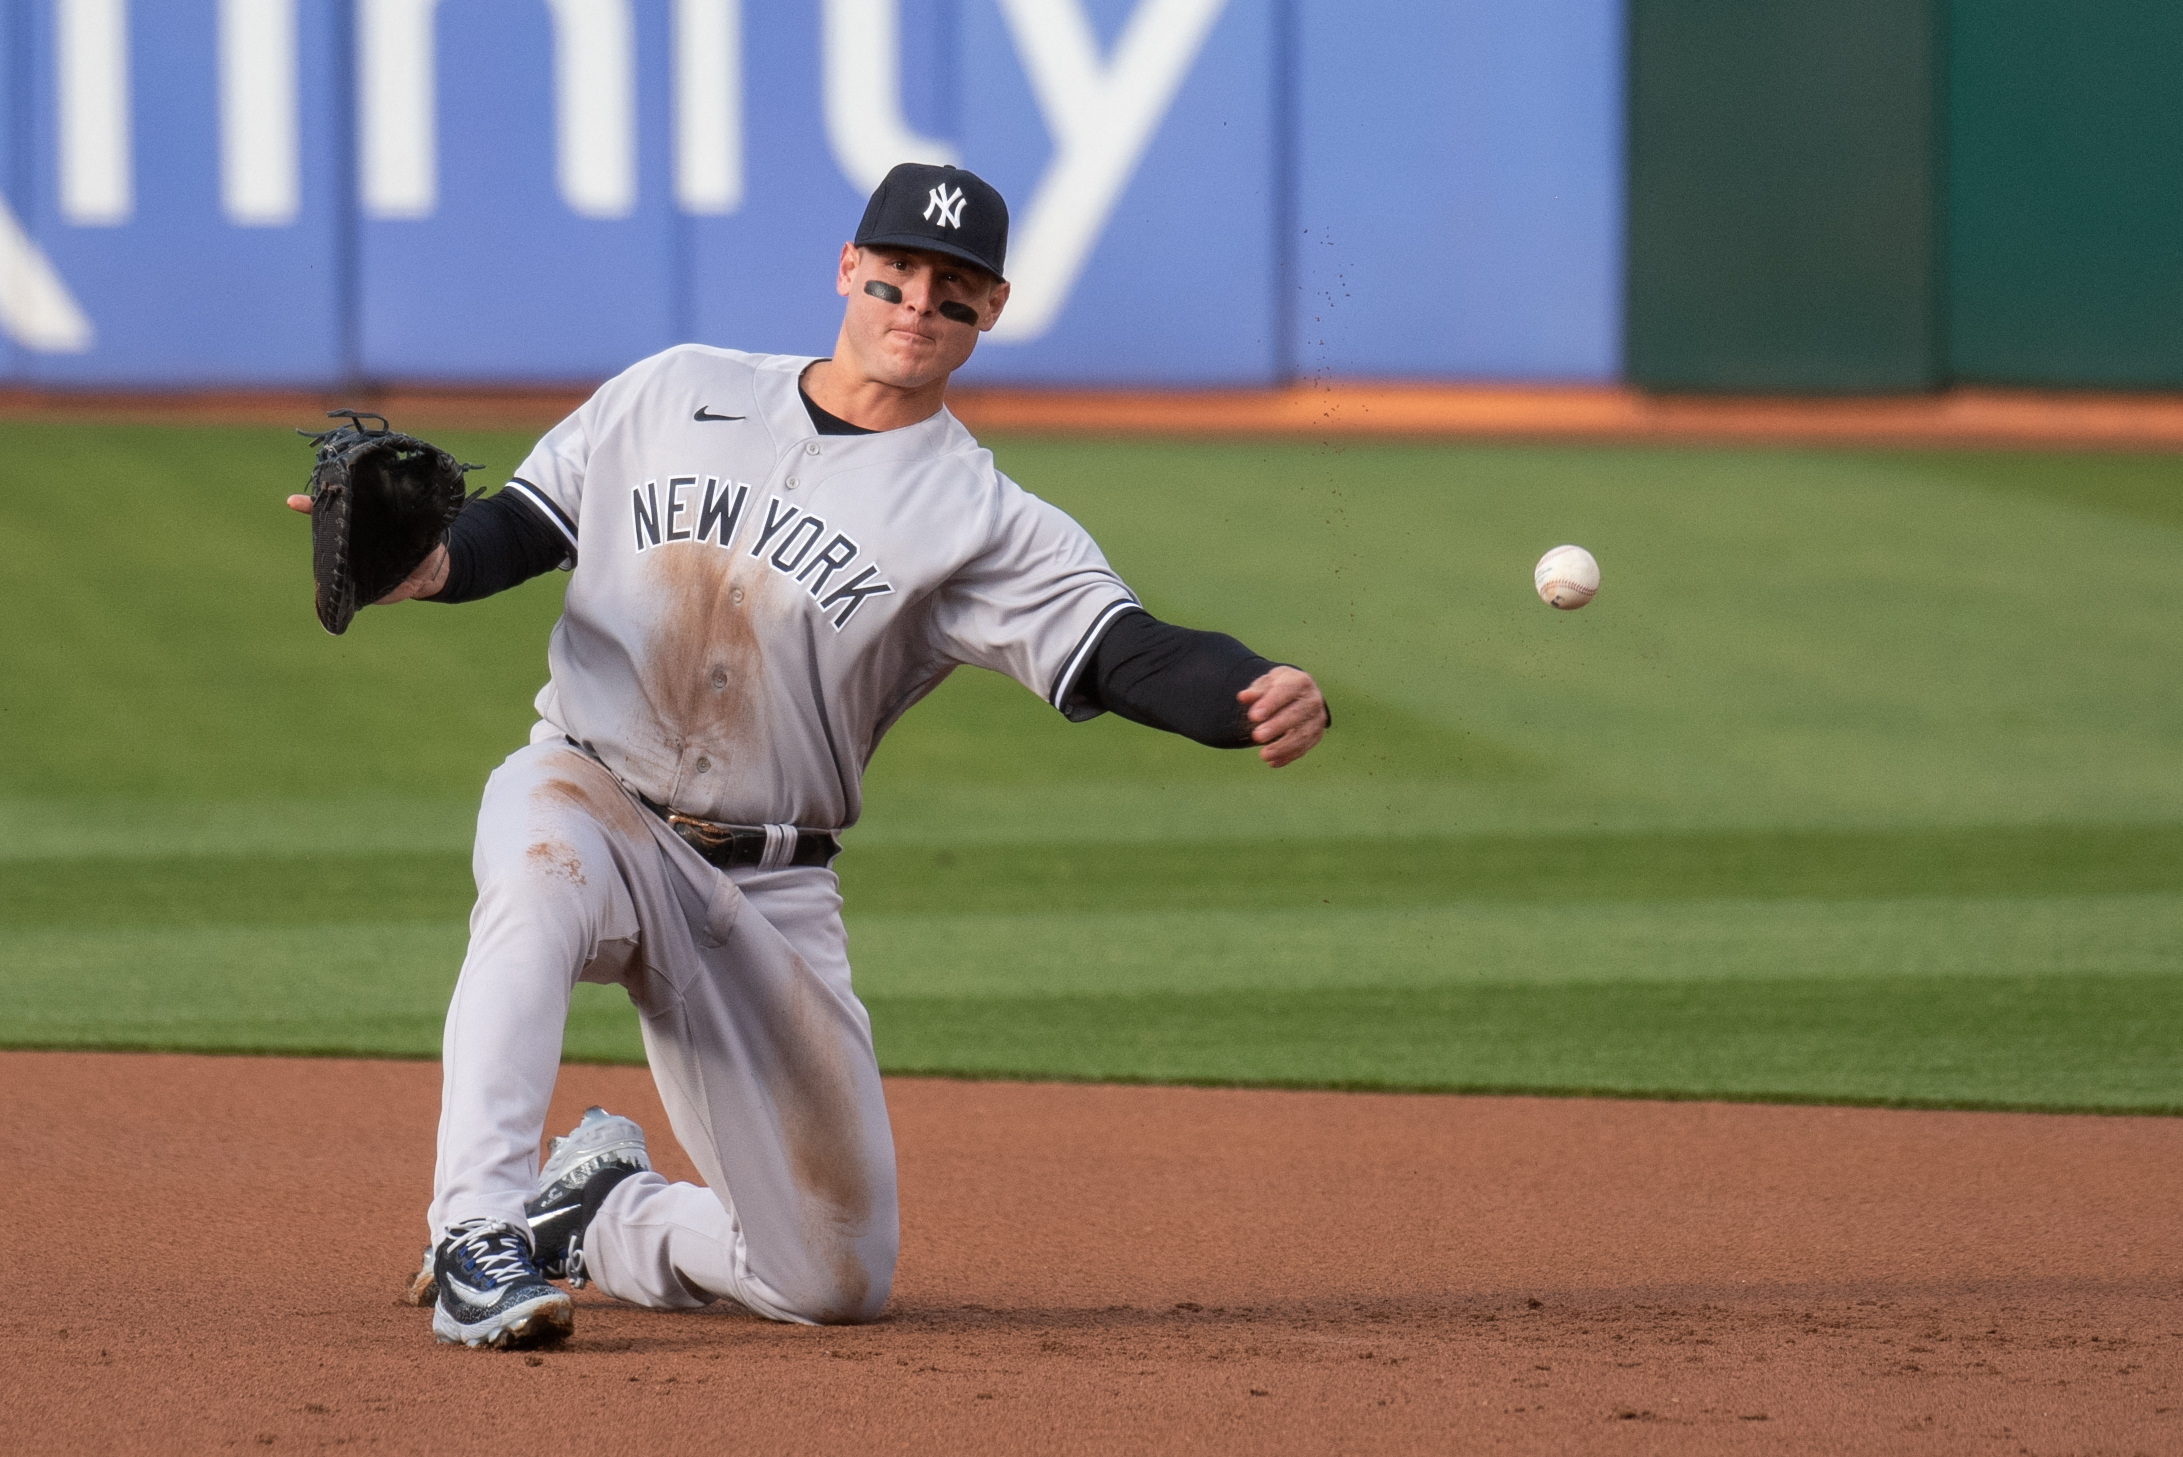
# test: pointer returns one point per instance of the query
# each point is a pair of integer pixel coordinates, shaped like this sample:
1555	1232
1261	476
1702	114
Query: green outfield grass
1862	780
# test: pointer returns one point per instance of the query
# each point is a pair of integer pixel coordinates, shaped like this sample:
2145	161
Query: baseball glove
380	501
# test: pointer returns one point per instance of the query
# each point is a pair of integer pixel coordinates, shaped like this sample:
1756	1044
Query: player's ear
845	274
994	303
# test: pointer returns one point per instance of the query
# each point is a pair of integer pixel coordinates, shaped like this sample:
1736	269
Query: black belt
729	846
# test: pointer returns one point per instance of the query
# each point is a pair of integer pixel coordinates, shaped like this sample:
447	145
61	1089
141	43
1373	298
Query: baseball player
772	559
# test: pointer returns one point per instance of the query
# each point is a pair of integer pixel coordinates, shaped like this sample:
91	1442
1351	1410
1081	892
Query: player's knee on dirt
848	1288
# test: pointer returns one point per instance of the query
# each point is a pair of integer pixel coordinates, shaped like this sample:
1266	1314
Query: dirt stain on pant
815	1087
557	859
582	784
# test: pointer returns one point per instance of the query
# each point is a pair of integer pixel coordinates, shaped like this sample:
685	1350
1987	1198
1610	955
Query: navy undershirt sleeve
495	543
1173	678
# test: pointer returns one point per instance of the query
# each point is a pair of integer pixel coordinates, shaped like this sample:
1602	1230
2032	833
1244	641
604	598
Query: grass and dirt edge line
1286	1085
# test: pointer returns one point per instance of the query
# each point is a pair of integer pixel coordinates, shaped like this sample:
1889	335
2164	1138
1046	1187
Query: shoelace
494	1250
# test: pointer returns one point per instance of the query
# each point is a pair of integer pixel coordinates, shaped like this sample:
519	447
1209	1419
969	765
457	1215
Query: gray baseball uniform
752	605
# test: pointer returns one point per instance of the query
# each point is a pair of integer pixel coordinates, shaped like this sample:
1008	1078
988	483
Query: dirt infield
1970	418
205	1255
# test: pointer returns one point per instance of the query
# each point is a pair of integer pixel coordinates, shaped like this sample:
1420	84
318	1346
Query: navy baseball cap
941	209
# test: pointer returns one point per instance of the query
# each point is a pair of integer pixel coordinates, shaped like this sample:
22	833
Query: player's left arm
1039	603
1203	685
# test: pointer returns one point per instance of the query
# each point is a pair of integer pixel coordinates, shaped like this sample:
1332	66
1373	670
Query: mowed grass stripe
1212	875
1246	953
1303	871
2034	1043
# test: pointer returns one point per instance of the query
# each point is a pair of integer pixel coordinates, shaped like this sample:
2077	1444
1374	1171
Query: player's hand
426	581
1287	712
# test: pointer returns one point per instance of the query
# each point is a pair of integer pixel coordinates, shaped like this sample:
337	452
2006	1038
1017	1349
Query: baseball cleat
491	1294
581	1170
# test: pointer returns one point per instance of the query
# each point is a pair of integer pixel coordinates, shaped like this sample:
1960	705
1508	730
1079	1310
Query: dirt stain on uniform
582	784
822	1116
704	662
556	858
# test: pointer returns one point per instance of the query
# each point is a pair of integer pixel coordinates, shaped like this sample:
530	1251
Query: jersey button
736	596
792	483
704	766
720	678
812	448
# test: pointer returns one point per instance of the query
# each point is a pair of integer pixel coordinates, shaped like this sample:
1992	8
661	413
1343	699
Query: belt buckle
702	834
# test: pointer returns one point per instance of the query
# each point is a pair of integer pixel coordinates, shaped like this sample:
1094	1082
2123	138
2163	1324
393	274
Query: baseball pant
761	1051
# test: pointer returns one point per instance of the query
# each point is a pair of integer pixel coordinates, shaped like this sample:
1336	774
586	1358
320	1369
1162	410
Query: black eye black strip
884	291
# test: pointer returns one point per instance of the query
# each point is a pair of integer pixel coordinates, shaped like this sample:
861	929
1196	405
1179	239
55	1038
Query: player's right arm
428	579
496	543
524	531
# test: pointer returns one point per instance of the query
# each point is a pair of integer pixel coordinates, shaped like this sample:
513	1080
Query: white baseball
1566	577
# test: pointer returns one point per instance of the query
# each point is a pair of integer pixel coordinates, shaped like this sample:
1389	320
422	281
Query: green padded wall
1784	158
2065	192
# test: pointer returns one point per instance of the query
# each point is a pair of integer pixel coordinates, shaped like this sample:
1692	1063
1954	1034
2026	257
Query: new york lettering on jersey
793	536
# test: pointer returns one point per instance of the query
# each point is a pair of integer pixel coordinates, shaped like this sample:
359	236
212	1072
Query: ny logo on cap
950	207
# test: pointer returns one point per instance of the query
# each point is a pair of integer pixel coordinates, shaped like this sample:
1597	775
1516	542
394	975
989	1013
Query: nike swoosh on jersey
703	415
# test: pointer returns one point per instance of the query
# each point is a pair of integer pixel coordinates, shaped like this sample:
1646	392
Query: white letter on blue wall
261	181
595	94
863	85
1102	118
708	105
36	309
397	100
91	64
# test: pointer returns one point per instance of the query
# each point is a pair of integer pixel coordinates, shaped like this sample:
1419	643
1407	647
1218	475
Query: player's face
914	341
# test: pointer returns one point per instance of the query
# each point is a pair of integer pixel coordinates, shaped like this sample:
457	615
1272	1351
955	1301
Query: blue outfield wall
1204	192
1460	186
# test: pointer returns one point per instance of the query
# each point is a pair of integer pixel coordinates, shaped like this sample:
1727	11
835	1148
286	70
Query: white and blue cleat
492	1294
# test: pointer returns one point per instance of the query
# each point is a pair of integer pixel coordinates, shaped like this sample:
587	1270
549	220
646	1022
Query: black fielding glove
380	501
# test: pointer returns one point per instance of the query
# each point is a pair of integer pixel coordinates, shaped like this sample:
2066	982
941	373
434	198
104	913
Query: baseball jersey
752	605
